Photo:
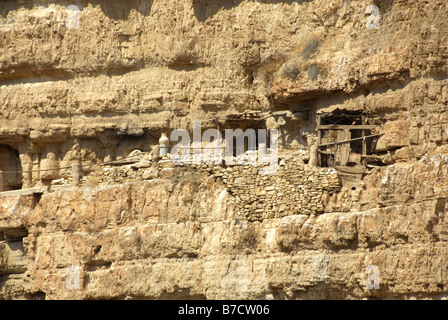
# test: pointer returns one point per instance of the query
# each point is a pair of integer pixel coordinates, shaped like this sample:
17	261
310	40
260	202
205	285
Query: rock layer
88	84
164	239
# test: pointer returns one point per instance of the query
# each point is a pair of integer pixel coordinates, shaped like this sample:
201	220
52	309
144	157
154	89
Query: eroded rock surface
95	84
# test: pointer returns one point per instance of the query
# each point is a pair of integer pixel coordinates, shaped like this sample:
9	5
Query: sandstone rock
221	232
135	154
151	173
165	164
12	258
166	173
141	164
396	135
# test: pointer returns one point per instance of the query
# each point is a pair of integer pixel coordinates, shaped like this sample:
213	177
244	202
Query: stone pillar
49	163
27	167
156	153
26	161
313	156
76	174
35	169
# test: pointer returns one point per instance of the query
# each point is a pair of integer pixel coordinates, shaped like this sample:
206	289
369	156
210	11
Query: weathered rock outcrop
88	84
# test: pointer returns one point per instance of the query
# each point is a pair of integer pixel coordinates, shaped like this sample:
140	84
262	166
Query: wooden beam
319	141
364	144
319	134
350	140
352	170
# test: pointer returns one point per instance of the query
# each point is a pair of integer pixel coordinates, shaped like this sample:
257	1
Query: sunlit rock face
94	84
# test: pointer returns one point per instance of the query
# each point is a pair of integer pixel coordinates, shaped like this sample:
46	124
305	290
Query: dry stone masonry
295	189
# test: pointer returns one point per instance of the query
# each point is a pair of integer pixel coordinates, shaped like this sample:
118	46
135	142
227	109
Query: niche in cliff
12	253
11	178
120	10
204	9
347	138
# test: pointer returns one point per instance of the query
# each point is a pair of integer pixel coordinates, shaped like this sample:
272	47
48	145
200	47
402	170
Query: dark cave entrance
10	167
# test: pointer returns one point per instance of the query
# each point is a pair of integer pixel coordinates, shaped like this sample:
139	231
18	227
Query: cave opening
10	168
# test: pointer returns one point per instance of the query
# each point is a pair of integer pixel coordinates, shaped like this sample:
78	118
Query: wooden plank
345	127
372	157
326	152
364	143
350	140
343	151
319	141
355	157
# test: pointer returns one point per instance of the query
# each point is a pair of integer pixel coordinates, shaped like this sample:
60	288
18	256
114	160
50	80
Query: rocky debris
295	188
141	164
151	173
60	182
137	171
395	136
166	173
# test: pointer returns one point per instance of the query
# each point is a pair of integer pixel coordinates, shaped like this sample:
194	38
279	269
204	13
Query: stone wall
184	239
296	188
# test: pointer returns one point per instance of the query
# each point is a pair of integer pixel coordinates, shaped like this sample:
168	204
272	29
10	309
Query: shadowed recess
204	9
114	9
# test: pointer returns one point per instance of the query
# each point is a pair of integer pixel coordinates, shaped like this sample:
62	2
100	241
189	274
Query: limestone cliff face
165	239
91	83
